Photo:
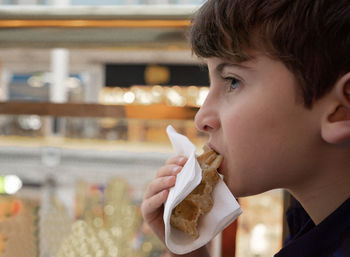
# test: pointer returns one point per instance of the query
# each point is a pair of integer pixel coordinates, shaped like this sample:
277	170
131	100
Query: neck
324	196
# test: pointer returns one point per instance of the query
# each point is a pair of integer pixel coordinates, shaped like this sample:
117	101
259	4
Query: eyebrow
224	65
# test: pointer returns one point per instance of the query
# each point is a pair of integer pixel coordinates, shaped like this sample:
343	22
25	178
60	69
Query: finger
179	160
169	170
152	204
158	185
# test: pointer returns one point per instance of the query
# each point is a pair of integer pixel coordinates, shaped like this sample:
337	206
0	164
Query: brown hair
311	37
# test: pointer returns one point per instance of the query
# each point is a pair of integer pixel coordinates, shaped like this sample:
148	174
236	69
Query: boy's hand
157	193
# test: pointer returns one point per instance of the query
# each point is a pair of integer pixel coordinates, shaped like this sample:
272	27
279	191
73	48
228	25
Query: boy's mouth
219	170
213	147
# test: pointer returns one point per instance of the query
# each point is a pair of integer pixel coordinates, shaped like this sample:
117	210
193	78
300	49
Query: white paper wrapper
225	209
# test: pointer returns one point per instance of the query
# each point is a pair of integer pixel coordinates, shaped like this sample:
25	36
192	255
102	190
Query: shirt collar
314	240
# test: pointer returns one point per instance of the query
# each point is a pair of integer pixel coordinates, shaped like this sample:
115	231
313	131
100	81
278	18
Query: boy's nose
206	119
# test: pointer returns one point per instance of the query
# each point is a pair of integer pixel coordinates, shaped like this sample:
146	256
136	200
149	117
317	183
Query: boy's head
259	54
311	38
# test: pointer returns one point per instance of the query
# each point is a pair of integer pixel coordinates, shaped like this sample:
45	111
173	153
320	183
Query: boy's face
255	120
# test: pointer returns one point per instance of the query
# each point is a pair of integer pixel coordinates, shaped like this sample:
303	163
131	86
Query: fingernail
181	160
176	169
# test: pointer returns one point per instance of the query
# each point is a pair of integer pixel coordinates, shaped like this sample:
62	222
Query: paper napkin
225	209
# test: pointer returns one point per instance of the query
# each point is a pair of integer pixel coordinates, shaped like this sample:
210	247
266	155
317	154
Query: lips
213	147
221	165
219	170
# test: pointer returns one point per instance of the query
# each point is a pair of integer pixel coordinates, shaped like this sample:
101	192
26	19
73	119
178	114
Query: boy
278	111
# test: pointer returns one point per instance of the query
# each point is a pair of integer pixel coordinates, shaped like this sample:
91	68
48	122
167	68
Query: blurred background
87	88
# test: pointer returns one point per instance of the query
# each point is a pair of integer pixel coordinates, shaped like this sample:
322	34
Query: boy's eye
232	83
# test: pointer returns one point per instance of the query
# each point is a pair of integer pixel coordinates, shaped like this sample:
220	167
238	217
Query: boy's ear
336	127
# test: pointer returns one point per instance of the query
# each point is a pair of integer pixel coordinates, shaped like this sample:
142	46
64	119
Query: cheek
258	143
248	131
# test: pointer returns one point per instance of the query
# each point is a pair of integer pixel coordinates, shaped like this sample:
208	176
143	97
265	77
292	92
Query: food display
107	224
185	216
18	227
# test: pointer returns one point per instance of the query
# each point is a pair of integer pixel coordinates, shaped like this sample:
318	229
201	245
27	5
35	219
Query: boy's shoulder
330	238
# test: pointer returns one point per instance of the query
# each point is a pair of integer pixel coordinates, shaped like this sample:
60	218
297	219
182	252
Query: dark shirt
330	238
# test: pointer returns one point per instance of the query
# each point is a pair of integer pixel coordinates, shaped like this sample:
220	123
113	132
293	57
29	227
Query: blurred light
175	97
100	253
31	122
109	209
103	234
129	97
157	94
145	95
142	95
113	251
98	222
203	93
258	240
73	83
116	231
36	81
10	184
192	91
155	74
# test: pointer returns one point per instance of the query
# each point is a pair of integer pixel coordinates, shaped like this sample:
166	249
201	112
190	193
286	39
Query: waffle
199	202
